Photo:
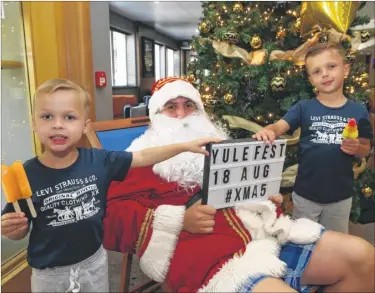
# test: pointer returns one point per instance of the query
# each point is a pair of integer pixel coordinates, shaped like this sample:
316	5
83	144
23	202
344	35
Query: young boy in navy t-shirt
69	187
324	185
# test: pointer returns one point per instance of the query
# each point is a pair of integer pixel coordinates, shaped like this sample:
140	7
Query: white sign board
242	170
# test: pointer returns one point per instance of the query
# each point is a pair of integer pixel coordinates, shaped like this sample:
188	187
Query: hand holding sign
276	199
267	135
241	171
195	146
199	218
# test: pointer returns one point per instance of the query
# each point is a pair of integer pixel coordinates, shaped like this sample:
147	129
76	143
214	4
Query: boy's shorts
297	257
90	275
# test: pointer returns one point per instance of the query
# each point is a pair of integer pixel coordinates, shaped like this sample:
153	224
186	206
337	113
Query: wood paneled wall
58	41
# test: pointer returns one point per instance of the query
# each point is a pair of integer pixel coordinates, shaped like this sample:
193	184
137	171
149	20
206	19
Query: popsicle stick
31	207
16	207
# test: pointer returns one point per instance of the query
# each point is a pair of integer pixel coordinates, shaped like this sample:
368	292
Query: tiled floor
366	231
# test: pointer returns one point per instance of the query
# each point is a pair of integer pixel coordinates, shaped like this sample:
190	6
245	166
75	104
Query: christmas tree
250	60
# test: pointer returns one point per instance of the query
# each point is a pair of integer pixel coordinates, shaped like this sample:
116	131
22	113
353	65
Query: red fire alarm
100	79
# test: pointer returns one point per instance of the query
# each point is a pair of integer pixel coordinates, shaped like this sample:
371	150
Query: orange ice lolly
24	185
10	187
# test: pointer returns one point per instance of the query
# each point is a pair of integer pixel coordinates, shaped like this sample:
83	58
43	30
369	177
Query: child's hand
350	146
267	135
195	146
276	199
14	225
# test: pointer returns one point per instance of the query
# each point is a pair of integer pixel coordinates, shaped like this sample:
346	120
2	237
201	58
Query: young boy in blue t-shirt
324	185
69	187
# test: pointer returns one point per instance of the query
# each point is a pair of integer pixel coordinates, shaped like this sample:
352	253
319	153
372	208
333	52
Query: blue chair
138	111
119	139
127	111
118	135
146	99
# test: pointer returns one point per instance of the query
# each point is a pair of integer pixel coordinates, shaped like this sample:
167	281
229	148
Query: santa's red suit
145	216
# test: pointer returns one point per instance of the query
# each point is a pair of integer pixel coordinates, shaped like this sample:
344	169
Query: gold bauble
237	7
350	58
278	84
203	27
231	37
280	35
338	15
211	6
228	98
365	36
364	75
191	77
255	42
206	98
366	191
297	24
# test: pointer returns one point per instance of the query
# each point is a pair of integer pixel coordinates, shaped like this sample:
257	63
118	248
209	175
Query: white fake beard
186	168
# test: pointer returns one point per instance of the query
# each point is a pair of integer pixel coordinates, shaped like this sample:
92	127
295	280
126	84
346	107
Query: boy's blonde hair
321	47
54	85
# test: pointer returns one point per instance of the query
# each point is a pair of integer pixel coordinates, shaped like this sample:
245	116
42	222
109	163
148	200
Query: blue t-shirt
325	173
70	205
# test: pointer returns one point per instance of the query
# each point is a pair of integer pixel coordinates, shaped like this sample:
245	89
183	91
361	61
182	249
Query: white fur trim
167	225
281	229
304	231
257	217
140	143
261	258
171	91
300	231
260	220
169	218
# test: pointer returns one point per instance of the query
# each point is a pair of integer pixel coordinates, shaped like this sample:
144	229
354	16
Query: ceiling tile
175	19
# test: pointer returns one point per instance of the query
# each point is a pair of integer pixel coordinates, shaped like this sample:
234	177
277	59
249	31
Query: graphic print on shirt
70	201
327	129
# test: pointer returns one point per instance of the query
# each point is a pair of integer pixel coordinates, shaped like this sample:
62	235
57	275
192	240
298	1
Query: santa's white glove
300	231
304	231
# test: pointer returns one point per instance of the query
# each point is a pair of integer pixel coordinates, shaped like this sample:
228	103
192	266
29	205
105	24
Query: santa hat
169	88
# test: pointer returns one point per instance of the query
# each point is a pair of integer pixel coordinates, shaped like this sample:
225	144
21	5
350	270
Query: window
170	62
167	62
177	63
123	65
159	61
17	140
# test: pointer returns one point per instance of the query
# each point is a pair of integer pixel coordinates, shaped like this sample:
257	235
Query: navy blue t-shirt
70	205
325	173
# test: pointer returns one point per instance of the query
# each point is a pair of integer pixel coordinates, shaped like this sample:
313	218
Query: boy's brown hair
321	47
53	85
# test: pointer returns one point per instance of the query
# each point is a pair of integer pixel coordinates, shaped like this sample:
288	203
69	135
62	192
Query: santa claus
199	249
